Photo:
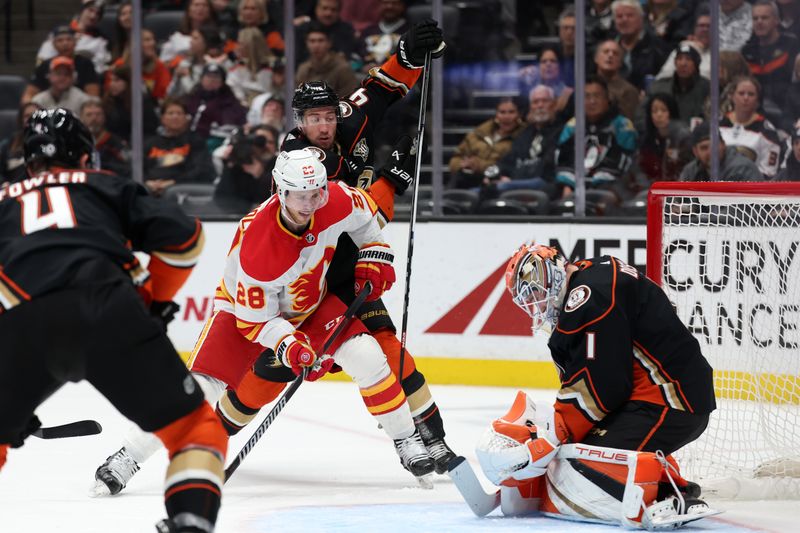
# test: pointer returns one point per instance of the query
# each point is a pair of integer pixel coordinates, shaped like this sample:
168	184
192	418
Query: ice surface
322	466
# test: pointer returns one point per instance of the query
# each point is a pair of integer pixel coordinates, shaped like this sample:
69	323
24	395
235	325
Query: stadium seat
190	192
636	206
163	23
108	22
466	200
502	207
537	202
8	122
11	89
598	203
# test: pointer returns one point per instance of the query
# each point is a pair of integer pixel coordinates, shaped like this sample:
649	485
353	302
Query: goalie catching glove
374	265
399	169
520	445
295	352
423	37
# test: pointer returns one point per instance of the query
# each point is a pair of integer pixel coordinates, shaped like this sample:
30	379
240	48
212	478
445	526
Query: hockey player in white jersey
274	295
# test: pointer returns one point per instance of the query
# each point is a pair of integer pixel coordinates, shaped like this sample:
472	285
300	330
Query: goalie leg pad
361	357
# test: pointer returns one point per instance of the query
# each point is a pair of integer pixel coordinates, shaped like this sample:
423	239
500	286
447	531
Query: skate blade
680	520
425	482
99	490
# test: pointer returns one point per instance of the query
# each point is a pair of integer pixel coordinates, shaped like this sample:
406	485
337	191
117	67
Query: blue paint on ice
436	518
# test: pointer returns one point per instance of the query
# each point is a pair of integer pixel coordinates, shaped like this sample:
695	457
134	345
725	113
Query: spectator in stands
485	145
686	86
62	91
735	24
790	16
547	72
670	19
531	163
204	42
731	66
175	154
114	153
610	144
608	60
792	102
122	30
86	78
664	149
212	103
225	13
252	73
566	45
269	110
733	166
749	130
253	14
246	178
378	41
770	53
361	14
155	74
12	150
198	13
117	106
644	51
700	39
599	22
89	40
342	34
791	172
324	63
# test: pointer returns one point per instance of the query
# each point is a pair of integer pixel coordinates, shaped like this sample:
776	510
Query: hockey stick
467	483
81	428
423	103
342	324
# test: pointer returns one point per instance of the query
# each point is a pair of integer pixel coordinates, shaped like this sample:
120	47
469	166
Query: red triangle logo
505	319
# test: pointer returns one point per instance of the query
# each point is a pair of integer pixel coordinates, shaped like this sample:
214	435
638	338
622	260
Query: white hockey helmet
298	171
536	277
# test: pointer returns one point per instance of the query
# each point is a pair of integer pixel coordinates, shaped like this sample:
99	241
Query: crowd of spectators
647	102
214	91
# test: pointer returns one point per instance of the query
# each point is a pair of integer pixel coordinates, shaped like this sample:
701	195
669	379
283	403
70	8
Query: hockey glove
164	312
399	169
321	367
375	265
423	37
295	351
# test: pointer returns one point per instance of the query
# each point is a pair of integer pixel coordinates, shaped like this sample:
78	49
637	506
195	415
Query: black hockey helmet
312	95
57	135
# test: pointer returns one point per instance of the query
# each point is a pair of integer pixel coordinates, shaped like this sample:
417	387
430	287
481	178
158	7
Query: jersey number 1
61	214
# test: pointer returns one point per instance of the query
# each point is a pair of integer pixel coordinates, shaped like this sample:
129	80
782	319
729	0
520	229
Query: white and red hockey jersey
274	278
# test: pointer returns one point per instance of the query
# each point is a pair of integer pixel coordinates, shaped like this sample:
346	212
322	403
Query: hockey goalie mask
301	181
536	278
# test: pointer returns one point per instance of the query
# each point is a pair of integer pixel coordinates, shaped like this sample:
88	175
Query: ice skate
113	475
413	455
666	514
441	454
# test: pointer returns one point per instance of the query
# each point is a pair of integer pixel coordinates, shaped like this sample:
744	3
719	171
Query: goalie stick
467	483
81	428
341	325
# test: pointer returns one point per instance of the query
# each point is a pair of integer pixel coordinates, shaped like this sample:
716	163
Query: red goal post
727	255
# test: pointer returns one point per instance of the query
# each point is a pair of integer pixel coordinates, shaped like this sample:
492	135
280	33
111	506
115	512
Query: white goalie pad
577	498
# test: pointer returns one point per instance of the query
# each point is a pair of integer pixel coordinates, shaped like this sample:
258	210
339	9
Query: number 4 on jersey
61	214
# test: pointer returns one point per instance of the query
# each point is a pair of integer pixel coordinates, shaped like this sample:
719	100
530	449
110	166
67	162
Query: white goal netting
729	260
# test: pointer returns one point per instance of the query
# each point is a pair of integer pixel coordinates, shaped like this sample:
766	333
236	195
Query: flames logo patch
306	290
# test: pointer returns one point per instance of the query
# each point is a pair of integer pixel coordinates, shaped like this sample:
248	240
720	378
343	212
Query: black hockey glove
164	312
399	169
424	36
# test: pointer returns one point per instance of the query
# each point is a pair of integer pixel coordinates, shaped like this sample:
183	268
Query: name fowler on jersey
13	190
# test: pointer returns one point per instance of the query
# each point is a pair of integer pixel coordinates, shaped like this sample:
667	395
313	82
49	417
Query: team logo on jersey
577	297
188	385
310	238
317	152
361	150
345	109
49	150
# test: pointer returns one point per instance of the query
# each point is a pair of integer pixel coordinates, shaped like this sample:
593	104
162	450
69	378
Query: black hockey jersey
55	223
618	339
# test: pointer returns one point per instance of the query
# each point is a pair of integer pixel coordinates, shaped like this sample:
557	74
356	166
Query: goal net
726	254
